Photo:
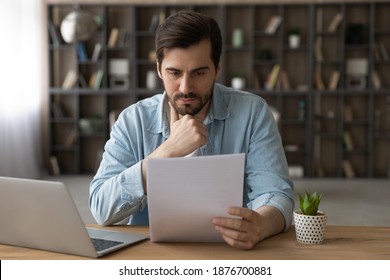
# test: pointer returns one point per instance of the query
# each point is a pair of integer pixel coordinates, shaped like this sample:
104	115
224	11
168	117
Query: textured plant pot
310	229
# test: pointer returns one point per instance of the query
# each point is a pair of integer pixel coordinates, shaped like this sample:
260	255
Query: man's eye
200	73
174	74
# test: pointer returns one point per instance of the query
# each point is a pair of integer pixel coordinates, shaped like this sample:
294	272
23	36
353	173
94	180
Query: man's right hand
187	134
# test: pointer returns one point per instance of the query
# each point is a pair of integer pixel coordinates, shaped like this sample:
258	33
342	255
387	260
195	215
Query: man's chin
191	108
187	111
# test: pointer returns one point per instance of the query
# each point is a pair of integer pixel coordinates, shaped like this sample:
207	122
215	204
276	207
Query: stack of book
273	24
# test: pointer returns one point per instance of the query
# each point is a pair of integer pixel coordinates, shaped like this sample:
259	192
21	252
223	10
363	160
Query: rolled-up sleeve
116	190
281	202
115	199
267	179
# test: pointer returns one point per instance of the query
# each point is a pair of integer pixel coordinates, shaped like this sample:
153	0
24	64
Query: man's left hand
253	226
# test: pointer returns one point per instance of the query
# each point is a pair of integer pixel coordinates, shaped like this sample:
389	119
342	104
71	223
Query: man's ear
158	70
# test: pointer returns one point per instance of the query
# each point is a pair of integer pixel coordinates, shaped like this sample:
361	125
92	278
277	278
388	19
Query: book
162	16
70	80
273	24
54	34
348	144
124	38
318	50
56	110
348	169
348	113
91	82
71	139
284	80
383	51
318	81
55	168
98	79
335	22
334	80
113	39
96	52
375	80
376	53
154	22
82	81
273	77
81	51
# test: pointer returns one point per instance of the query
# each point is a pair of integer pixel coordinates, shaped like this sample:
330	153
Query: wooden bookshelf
311	90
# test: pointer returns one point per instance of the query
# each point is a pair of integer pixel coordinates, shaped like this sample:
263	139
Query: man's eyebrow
193	70
200	68
171	69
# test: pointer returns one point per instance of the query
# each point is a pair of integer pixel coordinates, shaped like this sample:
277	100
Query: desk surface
341	242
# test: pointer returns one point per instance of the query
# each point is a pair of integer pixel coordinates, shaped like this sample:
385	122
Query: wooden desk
341	242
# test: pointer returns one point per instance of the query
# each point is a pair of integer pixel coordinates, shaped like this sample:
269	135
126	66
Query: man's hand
187	134
253	226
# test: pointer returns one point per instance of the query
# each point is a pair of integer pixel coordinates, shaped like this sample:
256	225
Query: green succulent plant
309	203
294	30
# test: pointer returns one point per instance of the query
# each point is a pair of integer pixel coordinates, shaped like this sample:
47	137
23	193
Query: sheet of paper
184	194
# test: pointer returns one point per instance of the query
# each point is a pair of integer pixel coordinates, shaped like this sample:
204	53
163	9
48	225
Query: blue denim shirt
238	122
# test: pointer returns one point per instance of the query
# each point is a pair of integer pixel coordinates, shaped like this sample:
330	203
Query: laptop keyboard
102	244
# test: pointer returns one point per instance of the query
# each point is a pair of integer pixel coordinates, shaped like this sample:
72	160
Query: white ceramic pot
151	80
294	41
310	229
238	83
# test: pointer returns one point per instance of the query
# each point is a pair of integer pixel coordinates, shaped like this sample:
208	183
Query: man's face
188	76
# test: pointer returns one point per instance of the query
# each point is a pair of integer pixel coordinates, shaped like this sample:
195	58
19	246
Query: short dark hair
187	28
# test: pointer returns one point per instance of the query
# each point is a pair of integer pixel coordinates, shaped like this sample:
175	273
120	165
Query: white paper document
184	194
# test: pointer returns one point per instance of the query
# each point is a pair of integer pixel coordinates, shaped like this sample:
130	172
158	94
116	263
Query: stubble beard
190	109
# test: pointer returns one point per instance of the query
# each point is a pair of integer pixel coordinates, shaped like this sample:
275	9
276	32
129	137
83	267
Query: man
196	116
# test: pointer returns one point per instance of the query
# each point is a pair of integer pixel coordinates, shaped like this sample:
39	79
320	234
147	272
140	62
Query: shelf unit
315	121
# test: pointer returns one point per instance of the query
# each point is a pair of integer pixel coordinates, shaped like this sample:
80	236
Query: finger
174	114
242	212
238	244
199	119
231	233
234	238
196	123
229	223
203	130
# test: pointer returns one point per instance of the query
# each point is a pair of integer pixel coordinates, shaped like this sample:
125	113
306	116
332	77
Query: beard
192	109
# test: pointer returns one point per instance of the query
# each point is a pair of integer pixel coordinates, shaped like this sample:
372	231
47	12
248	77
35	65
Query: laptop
42	215
184	194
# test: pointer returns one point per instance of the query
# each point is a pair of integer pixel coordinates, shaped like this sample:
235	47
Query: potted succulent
294	37
309	222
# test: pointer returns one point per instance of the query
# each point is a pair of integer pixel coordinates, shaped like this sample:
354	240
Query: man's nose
186	84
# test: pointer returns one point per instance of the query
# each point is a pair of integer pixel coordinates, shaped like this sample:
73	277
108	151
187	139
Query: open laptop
184	194
42	215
